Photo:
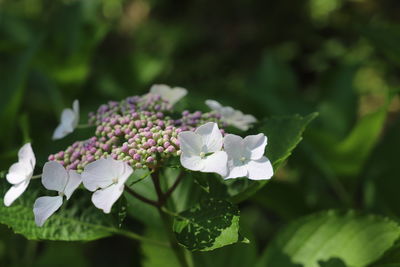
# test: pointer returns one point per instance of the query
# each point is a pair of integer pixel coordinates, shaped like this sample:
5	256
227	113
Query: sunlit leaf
356	239
209	225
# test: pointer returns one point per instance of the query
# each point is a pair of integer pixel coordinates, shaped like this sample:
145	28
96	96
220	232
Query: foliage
333	200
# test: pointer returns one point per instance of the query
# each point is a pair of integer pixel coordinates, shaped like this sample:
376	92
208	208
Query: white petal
211	136
102	172
214	105
190	143
25	154
54	176
171	95
192	162
256	145
216	162
44	207
67	123
233	145
236	170
74	181
62	131
260	169
242	122
19	172
105	198
75	107
15	192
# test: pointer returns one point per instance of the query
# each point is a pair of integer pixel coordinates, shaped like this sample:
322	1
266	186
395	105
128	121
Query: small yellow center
115	180
243	159
202	155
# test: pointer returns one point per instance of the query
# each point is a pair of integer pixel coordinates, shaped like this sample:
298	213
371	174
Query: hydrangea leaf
155	255
284	134
77	222
355	239
211	224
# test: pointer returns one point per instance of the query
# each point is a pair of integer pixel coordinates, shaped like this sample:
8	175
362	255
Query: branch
142	198
171	189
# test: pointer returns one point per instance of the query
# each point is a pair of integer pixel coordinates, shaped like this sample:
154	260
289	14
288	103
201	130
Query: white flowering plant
184	171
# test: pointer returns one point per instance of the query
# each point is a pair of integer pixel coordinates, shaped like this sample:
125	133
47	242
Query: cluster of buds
190	121
148	102
136	130
140	138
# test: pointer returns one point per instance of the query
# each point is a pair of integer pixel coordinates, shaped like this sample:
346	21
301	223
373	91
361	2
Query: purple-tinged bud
148	134
136	157
160	123
171	149
132	152
51	158
151	142
153	149
185	113
149	159
138	124
125	148
118	131
106	147
160	149
167	144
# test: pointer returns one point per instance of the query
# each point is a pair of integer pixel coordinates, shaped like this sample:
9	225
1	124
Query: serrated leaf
356	239
80	221
284	134
209	225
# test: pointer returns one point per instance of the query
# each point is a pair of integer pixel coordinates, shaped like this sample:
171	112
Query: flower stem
84	126
167	221
36	176
142	198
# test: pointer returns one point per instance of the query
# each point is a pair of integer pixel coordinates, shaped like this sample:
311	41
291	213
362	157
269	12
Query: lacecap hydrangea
140	132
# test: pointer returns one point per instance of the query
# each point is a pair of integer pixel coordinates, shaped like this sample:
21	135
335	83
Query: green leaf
356	239
154	255
348	156
80	221
284	134
209	225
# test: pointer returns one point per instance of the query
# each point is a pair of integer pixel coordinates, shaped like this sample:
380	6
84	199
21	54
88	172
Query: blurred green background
266	58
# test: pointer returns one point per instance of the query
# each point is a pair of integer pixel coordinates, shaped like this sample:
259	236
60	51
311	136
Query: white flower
201	150
107	178
245	157
69	121
20	174
172	95
232	116
55	177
